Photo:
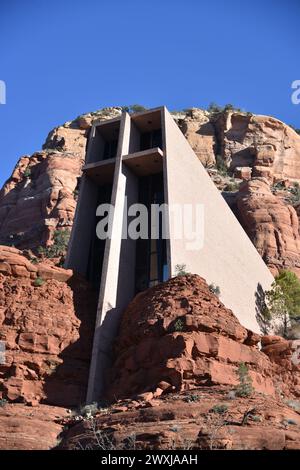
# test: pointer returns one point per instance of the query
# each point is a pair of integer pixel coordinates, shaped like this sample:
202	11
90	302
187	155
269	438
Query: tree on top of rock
283	300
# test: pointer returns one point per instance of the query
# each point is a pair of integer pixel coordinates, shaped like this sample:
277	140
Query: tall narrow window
151	259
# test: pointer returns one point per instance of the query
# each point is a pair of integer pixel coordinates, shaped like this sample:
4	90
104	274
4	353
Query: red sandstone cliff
41	194
175	364
172	383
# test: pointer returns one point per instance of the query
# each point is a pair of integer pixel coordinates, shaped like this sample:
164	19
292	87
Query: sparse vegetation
295	129
232	186
294	194
219	408
215	289
214	108
283	300
38	282
216	421
191	398
244	388
180	270
221	166
87	411
3	402
59	246
294	404
27	172
134	108
179	325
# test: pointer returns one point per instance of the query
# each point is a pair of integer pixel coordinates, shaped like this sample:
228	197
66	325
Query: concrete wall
95	146
135	139
228	258
83	227
117	282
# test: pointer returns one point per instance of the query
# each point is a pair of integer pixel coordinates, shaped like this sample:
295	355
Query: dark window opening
151	139
97	247
151	256
110	149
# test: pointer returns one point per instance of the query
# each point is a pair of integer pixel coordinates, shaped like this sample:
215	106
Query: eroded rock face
178	336
200	132
188	421
272	225
26	428
41	194
264	143
174	376
38	198
47	331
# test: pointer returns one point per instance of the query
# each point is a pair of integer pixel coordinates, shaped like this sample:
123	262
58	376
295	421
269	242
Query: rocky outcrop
178	336
205	419
173	383
46	329
200	132
271	224
27	428
39	198
264	143
41	194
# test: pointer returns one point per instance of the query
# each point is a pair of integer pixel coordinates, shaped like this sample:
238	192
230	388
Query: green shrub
220	408
27	173
134	108
244	388
232	186
294	196
3	402
191	398
180	270
38	282
59	246
214	108
179	325
221	166
283	299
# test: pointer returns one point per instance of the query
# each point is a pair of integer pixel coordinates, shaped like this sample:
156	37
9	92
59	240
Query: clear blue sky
61	58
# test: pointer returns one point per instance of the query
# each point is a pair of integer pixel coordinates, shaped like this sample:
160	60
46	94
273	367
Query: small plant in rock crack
179	325
38	282
3	402
244	388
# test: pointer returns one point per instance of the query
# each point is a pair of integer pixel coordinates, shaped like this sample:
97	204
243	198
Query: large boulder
272	225
178	336
46	328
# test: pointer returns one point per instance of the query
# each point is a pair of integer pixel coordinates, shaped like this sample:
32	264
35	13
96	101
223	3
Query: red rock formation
188	421
200	132
272	225
174	376
47	331
268	145
176	356
38	198
179	336
41	194
27	428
